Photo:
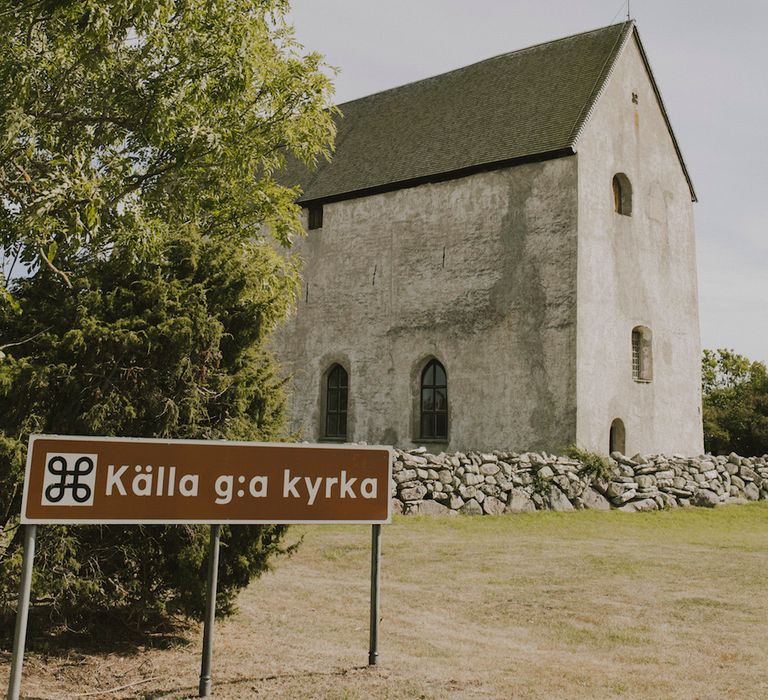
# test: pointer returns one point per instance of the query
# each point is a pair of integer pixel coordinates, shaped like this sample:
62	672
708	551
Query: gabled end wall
637	270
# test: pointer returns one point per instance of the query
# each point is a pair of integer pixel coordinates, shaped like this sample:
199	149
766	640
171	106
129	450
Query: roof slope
525	105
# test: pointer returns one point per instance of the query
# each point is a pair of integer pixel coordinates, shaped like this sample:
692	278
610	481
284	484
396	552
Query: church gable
632	44
638	350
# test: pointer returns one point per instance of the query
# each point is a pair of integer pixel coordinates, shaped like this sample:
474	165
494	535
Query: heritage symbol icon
69	479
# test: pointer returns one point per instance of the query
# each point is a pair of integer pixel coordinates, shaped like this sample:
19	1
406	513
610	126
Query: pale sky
709	57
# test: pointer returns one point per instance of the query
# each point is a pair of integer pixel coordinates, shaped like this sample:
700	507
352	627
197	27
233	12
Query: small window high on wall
337	387
642	354
315	217
622	194
434	402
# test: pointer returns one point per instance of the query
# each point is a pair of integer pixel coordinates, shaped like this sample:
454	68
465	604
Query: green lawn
544	605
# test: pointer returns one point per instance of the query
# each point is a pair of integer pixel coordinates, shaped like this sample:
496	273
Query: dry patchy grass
544	605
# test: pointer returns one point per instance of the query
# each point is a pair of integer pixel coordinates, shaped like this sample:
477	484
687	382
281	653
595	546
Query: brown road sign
135	480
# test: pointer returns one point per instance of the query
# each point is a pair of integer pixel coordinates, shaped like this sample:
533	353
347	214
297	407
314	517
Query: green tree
735	401
123	119
138	146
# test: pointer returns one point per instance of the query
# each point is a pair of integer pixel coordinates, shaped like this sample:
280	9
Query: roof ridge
485	60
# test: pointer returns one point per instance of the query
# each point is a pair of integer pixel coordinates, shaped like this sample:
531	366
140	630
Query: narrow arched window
434	402
622	194
617	441
642	354
337	386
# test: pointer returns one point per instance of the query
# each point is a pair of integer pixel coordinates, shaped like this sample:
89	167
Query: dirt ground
544	605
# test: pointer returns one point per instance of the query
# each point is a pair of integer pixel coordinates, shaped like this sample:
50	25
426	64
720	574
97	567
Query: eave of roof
439	176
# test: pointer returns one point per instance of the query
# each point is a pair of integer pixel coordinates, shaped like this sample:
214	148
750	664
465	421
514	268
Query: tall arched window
434	402
617	442
337	386
622	194
642	354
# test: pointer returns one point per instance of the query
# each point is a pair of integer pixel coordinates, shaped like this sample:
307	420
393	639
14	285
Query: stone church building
503	257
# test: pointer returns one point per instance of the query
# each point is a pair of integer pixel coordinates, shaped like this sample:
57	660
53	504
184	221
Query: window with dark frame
315	217
637	339
434	402
337	387
642	354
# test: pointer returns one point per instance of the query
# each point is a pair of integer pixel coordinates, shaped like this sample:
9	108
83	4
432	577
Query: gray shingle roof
528	104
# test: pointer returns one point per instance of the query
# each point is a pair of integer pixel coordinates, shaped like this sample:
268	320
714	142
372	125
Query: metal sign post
373	647
74	480
20	635
210	612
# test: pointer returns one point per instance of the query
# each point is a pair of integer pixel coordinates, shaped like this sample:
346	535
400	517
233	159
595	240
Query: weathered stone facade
523	281
498	482
478	273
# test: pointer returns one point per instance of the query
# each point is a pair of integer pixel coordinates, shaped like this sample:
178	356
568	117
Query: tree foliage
735	400
138	146
123	119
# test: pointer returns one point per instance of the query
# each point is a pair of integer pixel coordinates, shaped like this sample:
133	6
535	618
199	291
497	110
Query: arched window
622	194
642	354
434	402
337	386
618	437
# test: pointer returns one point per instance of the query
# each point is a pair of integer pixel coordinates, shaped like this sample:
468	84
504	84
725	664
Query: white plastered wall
637	270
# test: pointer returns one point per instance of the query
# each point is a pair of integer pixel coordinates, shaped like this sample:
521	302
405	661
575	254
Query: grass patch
537	605
343	551
597	638
615	565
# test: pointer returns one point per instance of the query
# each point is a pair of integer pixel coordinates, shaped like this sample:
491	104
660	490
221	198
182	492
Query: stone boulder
558	500
456	502
471	507
434	508
493	506
415	493
640	506
593	500
706	498
520	502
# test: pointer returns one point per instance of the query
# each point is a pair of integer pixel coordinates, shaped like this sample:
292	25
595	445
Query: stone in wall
475	483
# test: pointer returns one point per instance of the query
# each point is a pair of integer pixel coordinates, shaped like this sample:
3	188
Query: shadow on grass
100	636
258	679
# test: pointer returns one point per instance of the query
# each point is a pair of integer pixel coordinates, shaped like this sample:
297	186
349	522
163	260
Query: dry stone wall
508	482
